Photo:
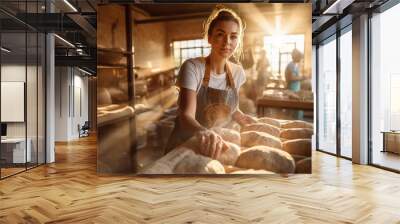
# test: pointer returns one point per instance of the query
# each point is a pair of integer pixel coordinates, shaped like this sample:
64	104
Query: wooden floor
70	191
387	159
5	172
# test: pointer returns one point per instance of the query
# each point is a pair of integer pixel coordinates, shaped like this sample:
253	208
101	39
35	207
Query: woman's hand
211	144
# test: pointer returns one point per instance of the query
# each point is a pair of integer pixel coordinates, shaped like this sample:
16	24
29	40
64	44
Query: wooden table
391	141
263	103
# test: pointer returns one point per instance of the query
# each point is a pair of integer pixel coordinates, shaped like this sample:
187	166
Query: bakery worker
293	77
209	86
292	72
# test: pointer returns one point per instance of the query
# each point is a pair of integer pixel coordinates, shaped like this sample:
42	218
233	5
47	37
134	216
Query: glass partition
346	93
31	98
22	91
14	145
385	89
327	96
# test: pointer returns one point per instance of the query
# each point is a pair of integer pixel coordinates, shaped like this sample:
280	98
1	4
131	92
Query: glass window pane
327	97
385	88
198	43
41	99
346	94
14	153
32	94
183	44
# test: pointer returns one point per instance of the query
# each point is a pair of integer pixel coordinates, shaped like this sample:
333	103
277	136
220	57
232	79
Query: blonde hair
221	13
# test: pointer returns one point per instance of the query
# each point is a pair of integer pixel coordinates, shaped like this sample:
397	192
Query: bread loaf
300	147
253	138
304	166
266	158
251	171
297	124
228	135
184	161
167	163
262	127
270	121
237	170
230	168
193	163
298	157
297	133
228	157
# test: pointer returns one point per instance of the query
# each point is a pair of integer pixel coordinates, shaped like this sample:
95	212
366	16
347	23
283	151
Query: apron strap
229	81
207	74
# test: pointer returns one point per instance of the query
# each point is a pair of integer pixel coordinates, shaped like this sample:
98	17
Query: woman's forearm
190	124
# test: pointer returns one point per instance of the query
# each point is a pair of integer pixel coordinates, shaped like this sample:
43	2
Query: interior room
83	109
22	99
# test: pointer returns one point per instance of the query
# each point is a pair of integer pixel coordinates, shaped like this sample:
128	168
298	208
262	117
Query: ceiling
79	27
173	9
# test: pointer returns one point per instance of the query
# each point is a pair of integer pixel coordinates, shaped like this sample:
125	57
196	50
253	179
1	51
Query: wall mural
204	89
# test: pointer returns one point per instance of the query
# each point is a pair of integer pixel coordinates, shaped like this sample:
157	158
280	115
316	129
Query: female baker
209	86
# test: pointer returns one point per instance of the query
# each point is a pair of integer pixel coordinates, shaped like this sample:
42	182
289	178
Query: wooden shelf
289	104
112	50
115	116
112	66
147	73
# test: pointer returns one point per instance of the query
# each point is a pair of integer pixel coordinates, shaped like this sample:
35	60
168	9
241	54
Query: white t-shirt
191	75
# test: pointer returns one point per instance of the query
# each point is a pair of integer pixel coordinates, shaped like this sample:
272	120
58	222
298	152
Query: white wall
70	83
61	103
33	127
15	73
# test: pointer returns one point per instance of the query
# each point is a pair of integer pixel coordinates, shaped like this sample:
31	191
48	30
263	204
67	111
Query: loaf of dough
228	134
167	163
193	163
230	168
183	160
262	127
301	147
304	166
237	170
297	133
228	157
297	124
251	171
271	121
253	138
298	157
266	158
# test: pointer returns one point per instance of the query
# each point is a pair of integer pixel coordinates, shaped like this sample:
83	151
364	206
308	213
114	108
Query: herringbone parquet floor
70	191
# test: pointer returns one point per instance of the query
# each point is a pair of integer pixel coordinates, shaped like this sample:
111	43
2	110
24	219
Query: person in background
293	76
292	72
209	87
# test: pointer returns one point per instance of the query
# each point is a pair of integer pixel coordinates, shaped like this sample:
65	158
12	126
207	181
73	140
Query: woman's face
224	38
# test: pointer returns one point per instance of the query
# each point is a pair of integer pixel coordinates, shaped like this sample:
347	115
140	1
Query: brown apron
214	107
